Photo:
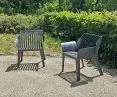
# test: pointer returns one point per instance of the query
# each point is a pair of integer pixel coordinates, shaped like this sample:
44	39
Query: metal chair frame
86	47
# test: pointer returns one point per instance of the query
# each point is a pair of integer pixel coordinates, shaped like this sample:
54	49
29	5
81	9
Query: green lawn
7	44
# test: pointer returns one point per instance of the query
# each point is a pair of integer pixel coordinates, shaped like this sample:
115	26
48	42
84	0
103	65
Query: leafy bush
48	7
22	6
13	24
70	26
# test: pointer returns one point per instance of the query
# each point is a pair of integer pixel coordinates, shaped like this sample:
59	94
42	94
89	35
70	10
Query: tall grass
7	44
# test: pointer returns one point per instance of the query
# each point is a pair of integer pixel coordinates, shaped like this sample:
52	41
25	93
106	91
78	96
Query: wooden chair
86	47
30	40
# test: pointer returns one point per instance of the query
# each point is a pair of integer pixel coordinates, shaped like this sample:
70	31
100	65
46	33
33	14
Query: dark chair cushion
71	54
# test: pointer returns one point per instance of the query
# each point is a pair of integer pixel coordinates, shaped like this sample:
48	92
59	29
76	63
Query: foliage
93	5
111	4
15	23
67	24
52	43
70	26
7	43
48	7
33	6
73	5
22	6
88	5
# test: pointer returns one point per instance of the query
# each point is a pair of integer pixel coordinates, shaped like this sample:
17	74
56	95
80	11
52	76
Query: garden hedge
15	23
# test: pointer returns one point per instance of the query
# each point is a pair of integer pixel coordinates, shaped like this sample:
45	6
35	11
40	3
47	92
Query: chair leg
21	56
63	59
18	59
96	62
37	65
43	63
78	69
43	53
42	58
82	63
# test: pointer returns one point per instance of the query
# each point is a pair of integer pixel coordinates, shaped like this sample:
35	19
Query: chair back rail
31	39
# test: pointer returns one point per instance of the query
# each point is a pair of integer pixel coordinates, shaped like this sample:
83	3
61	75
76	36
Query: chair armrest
69	46
17	41
87	53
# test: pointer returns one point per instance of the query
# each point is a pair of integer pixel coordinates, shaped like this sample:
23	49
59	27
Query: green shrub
48	7
15	23
70	26
7	44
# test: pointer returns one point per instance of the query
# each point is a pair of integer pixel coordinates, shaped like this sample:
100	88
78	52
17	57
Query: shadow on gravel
24	66
110	71
71	78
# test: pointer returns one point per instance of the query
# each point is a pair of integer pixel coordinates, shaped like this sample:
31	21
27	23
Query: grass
7	44
52	43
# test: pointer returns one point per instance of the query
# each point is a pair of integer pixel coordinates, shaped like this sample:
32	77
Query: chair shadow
24	66
110	71
71	78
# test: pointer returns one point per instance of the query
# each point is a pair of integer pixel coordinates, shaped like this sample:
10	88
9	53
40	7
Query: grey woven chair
86	47
30	40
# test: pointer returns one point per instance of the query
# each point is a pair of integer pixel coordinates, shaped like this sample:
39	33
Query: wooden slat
28	40
22	43
24	40
26	43
31	40
34	40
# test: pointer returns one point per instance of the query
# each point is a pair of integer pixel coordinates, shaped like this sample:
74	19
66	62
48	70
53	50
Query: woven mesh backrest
88	40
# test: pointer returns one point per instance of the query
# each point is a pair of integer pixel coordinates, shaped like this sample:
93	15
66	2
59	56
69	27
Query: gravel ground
25	81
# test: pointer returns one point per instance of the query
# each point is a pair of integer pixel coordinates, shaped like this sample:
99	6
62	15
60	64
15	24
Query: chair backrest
31	39
89	40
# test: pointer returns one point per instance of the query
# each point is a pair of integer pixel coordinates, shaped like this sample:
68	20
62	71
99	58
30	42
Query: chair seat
71	54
